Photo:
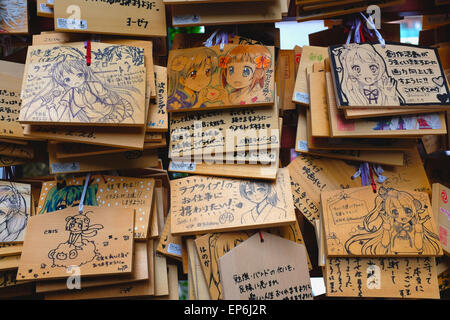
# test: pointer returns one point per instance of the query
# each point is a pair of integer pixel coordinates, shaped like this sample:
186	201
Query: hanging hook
83	195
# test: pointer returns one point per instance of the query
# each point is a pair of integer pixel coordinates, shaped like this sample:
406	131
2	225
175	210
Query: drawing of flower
223	62
262	62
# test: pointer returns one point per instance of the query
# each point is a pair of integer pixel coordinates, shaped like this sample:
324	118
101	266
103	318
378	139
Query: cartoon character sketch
68	196
13	213
364	78
77	94
244	71
396	224
419	122
265	200
12	14
190	77
77	250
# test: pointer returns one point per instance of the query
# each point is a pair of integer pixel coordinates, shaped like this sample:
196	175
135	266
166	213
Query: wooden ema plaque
127	138
121	290
135	18
246	129
139	273
211	78
211	247
15	206
60	87
202	204
158	120
441	211
309	56
98	241
105	192
169	244
310	175
390	222
305	143
278	272
102	162
413	278
225	13
11	75
394	126
396	76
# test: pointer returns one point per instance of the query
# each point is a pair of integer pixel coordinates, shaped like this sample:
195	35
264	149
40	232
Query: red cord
374	186
361	34
261	237
88	52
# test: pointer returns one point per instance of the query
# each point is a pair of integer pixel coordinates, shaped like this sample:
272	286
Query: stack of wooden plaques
224	111
200	232
318	10
188	13
116	115
369	99
15	147
105	249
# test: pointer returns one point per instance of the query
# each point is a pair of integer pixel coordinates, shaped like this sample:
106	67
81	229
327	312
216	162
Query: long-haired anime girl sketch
14	214
75	93
243	72
265	200
190	78
396	224
364	79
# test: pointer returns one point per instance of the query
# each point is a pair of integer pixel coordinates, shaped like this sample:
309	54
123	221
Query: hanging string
357	174
349	37
87	45
372	25
221	38
357	32
379	172
374	186
83	195
209	41
260	236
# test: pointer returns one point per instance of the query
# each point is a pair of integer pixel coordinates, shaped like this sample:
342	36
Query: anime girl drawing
364	79
13	213
264	198
396	224
75	93
190	78
244	71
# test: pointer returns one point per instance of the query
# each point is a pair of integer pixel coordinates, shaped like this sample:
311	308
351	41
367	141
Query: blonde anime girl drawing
396	224
191	77
364	79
